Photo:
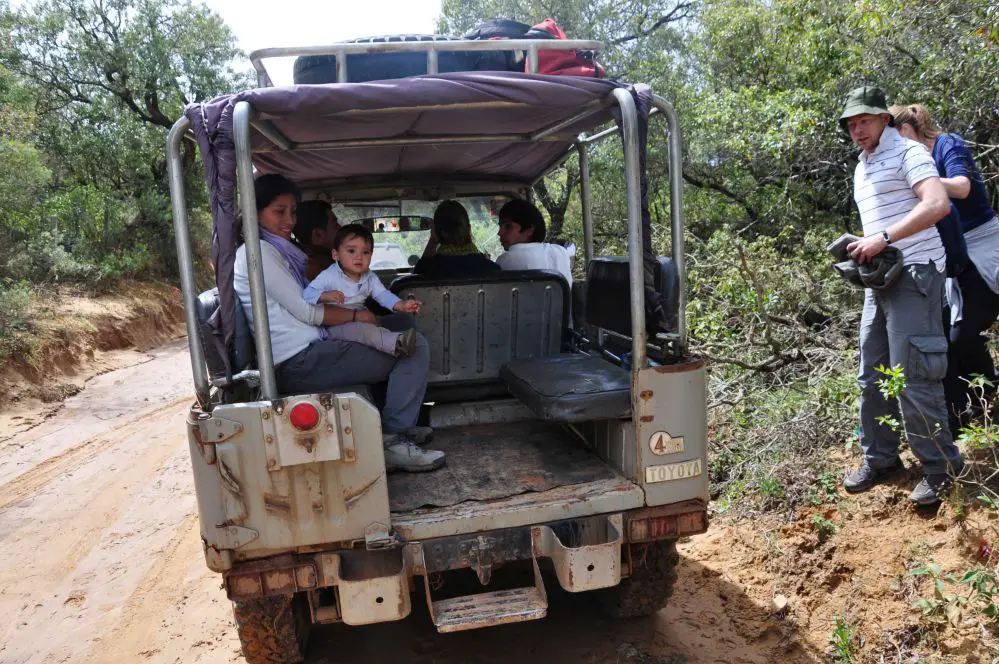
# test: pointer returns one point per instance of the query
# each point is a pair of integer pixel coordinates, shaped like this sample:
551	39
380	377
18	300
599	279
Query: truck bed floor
489	462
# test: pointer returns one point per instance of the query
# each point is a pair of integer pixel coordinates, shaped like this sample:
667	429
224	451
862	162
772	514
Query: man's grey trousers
903	326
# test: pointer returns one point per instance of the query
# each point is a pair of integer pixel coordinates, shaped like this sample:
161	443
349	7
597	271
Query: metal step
487	609
498	607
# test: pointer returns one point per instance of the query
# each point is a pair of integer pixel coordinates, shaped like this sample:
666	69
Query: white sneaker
408	457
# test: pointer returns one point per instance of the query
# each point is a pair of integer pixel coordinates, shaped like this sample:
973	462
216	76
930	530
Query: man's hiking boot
866	476
933	487
405	343
402	454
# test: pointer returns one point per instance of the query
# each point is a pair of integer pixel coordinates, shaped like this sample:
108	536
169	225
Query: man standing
900	198
522	234
315	229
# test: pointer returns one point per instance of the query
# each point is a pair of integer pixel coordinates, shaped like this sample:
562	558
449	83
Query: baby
349	282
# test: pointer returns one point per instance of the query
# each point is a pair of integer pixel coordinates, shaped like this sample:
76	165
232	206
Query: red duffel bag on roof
562	63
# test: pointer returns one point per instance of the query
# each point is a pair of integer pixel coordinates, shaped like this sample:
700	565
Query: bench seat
571	387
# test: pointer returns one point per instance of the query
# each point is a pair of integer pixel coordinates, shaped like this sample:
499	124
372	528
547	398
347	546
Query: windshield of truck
398	228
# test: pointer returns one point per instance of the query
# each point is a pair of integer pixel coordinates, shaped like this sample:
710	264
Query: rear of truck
575	434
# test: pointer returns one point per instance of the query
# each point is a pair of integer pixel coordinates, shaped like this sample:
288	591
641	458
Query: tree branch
673	15
753	214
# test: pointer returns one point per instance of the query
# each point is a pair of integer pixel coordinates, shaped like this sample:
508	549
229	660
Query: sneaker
866	476
405	343
932	488
422	435
406	456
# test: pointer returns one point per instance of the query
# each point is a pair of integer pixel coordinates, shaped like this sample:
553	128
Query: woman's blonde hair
918	118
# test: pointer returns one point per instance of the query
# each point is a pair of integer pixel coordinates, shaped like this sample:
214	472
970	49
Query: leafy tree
103	81
151	57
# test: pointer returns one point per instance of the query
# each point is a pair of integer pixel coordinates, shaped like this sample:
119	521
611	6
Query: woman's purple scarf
297	259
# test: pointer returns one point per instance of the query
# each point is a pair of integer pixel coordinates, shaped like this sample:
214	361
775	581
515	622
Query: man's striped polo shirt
882	188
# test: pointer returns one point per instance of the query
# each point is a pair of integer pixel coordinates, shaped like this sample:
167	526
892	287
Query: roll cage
255	132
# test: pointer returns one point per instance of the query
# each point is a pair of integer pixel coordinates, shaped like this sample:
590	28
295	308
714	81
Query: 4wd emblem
661	443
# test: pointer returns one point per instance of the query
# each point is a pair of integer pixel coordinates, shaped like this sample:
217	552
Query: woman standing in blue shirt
979	282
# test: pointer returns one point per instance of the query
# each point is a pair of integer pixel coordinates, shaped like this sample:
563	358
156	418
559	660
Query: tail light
304	416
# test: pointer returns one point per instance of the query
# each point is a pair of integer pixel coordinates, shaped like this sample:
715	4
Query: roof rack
430	47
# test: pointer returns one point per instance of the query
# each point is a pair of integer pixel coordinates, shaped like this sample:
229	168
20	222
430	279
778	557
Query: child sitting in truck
349	282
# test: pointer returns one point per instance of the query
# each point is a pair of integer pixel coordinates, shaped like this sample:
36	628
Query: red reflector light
304	417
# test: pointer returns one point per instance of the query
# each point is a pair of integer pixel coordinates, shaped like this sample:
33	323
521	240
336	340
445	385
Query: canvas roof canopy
491	126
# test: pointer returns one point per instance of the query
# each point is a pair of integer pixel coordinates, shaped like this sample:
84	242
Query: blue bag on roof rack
382	66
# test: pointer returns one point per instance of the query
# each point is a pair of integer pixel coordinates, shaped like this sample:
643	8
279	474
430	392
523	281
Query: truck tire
647	590
273	630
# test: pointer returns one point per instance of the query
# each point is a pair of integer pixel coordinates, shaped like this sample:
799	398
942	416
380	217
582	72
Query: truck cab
573	418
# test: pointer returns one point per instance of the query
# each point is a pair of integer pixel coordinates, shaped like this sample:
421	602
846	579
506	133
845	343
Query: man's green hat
867	99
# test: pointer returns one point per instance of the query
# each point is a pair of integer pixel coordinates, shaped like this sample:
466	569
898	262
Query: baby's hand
408	306
332	297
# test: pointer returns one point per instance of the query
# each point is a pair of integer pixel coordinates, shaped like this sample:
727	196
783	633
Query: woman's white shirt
293	321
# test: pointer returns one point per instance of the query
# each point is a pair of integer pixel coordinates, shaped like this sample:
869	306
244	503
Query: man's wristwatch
887	237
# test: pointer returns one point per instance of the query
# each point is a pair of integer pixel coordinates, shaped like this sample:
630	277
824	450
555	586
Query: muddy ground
100	561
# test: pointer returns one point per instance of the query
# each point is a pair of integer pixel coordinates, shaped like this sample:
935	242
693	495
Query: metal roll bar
432	49
676	212
584	193
251	239
182	236
636	266
677	248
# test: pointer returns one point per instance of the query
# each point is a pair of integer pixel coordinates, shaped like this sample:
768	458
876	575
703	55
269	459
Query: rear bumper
586	553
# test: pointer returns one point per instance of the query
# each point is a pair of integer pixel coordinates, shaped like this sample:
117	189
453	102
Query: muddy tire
650	585
273	630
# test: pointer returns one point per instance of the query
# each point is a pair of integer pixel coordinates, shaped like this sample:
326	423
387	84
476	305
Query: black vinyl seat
608	294
575	387
571	387
244	353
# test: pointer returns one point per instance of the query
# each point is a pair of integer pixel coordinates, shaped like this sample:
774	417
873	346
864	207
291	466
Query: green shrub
44	259
15	298
780	329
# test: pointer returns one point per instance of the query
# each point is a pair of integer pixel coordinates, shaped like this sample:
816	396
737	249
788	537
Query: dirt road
100	560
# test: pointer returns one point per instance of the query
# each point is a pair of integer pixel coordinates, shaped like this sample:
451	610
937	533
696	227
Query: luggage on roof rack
385	65
389	58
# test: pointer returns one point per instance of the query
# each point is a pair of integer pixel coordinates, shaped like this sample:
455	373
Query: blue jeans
324	366
903	326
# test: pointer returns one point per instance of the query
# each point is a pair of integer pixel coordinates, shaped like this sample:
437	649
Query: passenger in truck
349	282
306	359
450	251
315	229
522	234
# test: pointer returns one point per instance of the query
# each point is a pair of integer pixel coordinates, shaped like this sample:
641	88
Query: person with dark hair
314	230
450	251
349	282
306	359
522	234
975	308
900	199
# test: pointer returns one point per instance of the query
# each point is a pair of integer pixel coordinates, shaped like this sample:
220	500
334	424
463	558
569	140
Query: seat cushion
570	388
